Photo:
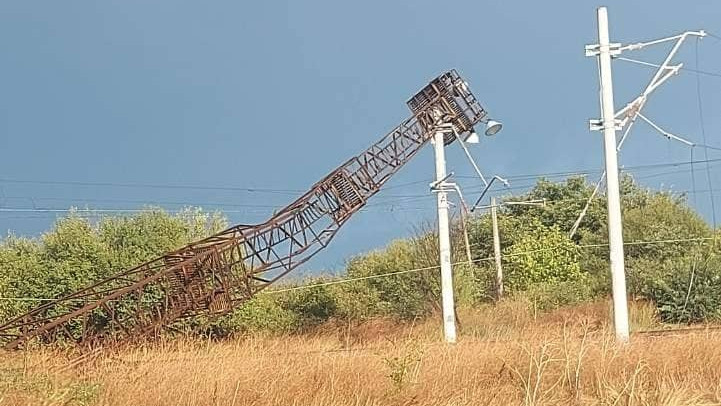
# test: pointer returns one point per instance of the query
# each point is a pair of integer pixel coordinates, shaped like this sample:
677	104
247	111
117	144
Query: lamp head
472	137
493	127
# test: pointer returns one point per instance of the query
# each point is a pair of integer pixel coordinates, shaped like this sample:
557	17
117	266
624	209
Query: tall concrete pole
497	250
615	228
444	242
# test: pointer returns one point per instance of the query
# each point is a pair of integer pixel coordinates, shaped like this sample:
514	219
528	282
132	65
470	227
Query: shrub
685	290
407	295
311	306
552	295
261	314
542	255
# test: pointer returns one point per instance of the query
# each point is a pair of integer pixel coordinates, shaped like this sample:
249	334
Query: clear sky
231	95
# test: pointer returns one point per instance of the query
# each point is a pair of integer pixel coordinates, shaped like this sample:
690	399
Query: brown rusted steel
215	275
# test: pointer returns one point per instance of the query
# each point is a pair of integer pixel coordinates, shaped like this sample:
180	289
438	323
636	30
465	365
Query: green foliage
564	201
661	216
542	255
311	306
402	280
77	252
263	313
358	301
685	290
407	295
404	367
552	295
21	275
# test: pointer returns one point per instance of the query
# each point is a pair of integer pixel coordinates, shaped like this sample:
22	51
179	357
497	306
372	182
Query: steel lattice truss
215	275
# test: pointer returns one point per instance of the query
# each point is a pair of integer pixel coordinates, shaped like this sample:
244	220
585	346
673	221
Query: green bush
685	290
542	255
552	295
359	301
407	295
310	306
261	314
540	262
77	252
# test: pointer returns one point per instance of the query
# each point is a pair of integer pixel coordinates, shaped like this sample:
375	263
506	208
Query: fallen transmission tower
215	275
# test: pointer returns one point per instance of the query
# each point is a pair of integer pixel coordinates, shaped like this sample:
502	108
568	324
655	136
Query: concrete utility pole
497	236
624	120
444	241
615	227
497	250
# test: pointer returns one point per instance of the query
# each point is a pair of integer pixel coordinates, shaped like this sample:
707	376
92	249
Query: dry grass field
507	355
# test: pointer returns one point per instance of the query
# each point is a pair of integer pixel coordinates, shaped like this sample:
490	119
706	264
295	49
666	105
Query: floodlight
472	138
493	127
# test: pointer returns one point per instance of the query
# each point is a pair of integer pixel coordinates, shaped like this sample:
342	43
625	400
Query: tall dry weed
506	355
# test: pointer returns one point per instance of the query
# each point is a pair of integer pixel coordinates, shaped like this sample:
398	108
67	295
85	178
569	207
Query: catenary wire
413	270
703	136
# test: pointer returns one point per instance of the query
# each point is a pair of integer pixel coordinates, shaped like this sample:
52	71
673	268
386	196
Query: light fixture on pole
446	111
441	187
472	138
493	127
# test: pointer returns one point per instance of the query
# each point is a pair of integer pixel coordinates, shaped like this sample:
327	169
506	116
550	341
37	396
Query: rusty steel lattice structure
213	276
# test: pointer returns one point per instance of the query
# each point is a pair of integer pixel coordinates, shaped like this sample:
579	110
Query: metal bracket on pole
629	113
441	185
664	132
595	49
598	125
483	193
682	36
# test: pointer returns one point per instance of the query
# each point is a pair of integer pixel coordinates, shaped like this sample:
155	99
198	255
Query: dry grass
506	355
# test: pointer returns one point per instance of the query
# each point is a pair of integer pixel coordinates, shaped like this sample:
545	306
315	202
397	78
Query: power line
693	180
169	186
101	212
297	191
385	207
654	65
703	136
152	202
713	36
428	268
391	205
581	172
154	186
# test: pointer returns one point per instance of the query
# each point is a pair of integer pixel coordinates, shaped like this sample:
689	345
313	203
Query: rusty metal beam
221	272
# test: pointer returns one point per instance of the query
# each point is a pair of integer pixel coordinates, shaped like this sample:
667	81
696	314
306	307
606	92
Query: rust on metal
217	274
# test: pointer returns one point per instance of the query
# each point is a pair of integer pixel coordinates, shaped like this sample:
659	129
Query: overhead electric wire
703	136
170	186
713	36
393	202
581	172
153	186
428	268
693	179
654	65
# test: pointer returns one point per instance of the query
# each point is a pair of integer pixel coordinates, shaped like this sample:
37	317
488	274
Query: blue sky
230	95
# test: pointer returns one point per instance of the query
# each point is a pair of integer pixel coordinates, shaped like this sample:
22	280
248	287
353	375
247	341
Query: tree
77	252
685	289
542	255
407	295
564	202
